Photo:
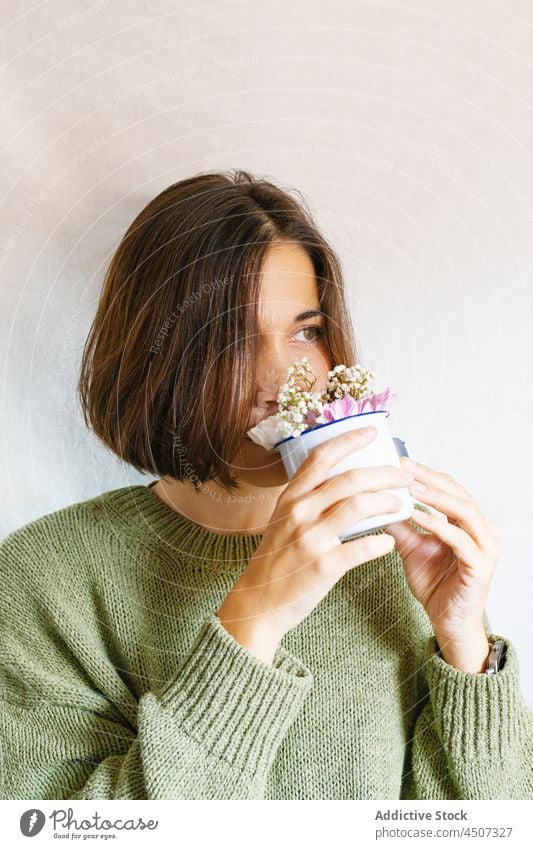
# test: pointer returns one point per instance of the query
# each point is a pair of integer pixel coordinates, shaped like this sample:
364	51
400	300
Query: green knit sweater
118	681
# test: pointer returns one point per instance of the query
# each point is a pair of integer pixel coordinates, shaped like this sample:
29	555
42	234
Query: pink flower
339	409
348	406
378	401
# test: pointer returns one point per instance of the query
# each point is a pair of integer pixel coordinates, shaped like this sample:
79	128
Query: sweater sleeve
473	736
211	732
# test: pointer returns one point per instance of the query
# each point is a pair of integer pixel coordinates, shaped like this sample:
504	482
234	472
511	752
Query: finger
348	483
347	555
467	514
447	483
409	537
441	480
346	513
406	536
316	467
458	540
492	547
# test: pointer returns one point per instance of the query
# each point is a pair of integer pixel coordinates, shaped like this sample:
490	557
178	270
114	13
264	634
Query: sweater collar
146	516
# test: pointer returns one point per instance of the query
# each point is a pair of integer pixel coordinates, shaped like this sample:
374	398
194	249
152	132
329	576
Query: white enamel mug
384	450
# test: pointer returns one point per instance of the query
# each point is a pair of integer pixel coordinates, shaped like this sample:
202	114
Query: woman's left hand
449	570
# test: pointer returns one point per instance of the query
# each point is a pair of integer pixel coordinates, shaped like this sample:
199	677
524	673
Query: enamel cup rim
336	421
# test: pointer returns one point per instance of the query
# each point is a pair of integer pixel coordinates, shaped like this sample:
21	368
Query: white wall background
408	125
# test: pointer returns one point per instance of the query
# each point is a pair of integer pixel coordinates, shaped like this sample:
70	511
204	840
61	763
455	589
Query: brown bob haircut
167	374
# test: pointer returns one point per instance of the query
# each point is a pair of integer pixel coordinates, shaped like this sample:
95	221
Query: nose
269	382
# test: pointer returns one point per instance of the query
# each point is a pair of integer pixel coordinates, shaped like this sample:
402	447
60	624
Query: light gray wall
408	127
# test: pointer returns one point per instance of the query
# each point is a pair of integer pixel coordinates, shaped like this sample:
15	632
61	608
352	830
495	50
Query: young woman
207	636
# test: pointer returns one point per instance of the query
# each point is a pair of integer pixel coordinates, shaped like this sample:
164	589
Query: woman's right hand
300	556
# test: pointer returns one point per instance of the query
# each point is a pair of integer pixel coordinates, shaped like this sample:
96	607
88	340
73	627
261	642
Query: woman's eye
315	330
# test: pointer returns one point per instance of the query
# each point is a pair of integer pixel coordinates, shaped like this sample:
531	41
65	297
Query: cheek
253	465
252	456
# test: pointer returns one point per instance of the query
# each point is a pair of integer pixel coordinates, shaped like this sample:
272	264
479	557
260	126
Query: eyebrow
303	316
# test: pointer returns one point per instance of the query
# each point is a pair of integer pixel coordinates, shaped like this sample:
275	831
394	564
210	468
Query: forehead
288	285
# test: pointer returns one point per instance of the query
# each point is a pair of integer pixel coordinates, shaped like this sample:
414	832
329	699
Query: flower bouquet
306	418
348	393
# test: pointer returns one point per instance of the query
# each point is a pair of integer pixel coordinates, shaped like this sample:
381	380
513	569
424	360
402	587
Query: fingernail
408	462
417	487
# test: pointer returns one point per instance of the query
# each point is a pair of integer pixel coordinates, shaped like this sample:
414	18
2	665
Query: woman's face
288	289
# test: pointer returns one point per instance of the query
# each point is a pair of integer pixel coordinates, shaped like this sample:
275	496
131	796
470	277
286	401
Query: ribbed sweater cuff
232	702
481	717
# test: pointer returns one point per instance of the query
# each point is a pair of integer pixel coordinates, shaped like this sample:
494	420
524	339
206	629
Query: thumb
407	538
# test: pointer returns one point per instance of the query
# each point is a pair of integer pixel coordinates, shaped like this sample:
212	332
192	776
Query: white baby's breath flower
348	380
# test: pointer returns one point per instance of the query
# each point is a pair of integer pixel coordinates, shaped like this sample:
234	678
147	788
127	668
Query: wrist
467	654
248	631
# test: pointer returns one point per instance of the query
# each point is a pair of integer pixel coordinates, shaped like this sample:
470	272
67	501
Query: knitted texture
118	681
